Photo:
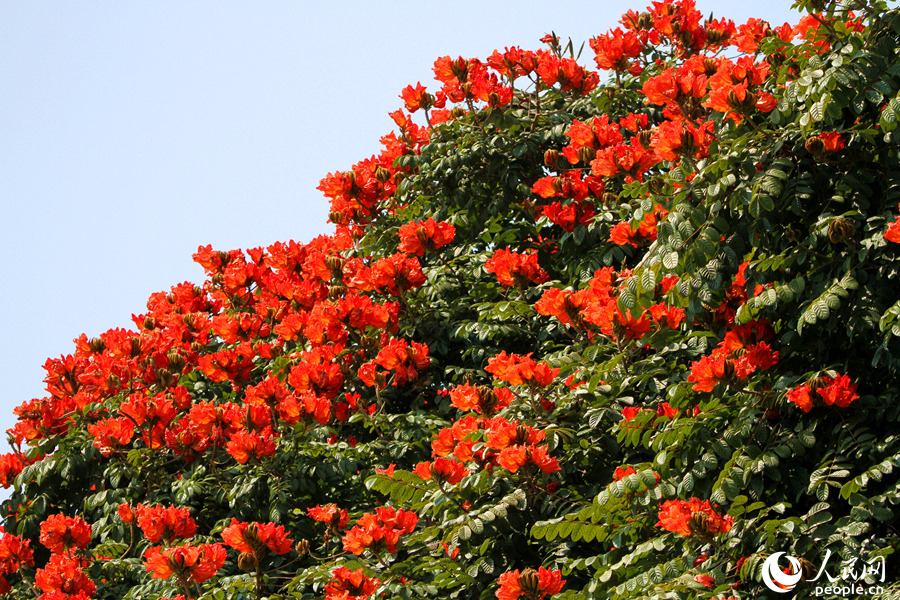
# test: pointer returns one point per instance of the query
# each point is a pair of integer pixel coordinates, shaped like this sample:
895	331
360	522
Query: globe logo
776	579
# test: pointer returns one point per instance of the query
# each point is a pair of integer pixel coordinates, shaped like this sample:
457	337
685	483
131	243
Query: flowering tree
614	326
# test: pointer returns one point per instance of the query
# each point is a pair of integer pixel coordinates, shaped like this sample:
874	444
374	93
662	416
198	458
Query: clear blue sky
133	132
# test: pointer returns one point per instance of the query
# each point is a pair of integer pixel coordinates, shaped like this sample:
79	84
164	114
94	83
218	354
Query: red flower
534	584
244	445
706	580
188	563
674	139
709	370
415	98
482	399
512	268
255	537
63	578
10	466
838	391
379	531
125	513
60	533
613	49
347	585
442	470
419	237
678	516
893	232
801	397
14	553
330	514
630	412
519	370
165	523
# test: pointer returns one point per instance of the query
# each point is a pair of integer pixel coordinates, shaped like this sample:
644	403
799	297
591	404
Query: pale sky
133	132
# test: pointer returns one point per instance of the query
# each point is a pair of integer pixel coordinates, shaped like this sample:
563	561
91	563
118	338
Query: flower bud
840	230
815	146
302	547
248	562
698	525
586	154
714	37
644	138
336	291
176	361
457	112
460	68
335	264
381	174
551	157
522	434
97	345
251	535
687	144
149	323
709	67
529	582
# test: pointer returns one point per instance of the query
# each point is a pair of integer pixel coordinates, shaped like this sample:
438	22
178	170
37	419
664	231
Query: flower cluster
350	585
595	308
256	538
837	391
379	531
187	562
532	584
743	351
693	517
515	269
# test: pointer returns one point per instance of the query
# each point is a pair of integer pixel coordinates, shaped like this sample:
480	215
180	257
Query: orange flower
62	577
442	470
519	370
801	397
188	563
244	445
60	533
419	237
254	537
614	48
534	584
379	531
330	514
15	552
165	523
838	391
893	232
350	585
676	516
708	371
512	268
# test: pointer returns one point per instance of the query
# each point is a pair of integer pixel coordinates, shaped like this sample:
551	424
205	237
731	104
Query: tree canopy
610	321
